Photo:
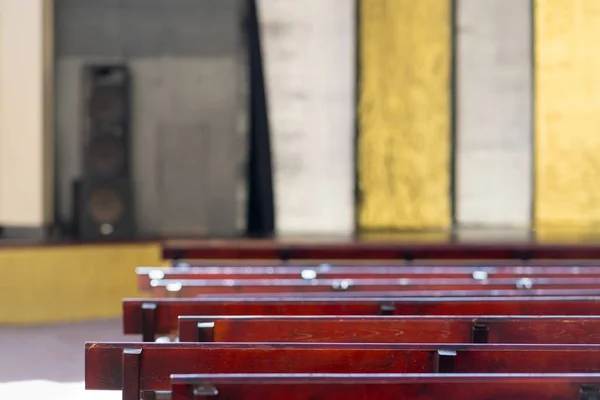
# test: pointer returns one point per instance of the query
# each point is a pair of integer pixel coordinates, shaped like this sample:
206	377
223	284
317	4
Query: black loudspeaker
106	121
103	209
103	197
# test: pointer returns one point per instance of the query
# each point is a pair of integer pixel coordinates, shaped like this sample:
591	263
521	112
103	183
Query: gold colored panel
70	283
404	114
567	114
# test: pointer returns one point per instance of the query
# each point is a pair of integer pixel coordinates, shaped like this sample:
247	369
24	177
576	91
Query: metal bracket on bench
205	390
480	333
589	392
131	374
148	322
445	360
387	309
285	254
206	331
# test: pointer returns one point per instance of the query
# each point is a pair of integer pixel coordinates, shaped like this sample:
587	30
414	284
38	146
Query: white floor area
48	361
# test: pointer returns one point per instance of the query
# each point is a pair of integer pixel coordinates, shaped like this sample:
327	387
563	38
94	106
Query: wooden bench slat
166	311
389	386
273	250
398	329
396	294
157	361
195	287
145	274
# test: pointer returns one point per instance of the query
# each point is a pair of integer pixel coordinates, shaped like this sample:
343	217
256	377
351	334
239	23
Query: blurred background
126	121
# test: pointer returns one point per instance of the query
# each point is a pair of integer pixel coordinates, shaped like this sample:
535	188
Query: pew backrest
272	250
197	287
326	271
392	329
150	317
147	366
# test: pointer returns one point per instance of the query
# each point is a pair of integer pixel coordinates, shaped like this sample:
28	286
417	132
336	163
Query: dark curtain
261	215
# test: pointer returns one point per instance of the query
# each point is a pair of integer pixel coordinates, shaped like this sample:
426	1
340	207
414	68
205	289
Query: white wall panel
309	61
494	113
26	126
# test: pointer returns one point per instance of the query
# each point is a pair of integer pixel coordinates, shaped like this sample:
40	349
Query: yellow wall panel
69	283
567	114
404	114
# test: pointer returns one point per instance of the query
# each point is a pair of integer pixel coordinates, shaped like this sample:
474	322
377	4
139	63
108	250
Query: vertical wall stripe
26	123
404	114
494	113
567	114
309	51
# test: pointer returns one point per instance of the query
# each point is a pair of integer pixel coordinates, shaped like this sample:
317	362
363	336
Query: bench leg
445	360
131	374
148	322
589	392
148	395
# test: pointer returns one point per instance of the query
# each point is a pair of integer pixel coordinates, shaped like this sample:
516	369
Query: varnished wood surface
325	271
388	386
167	311
265	250
407	293
104	361
397	329
197	287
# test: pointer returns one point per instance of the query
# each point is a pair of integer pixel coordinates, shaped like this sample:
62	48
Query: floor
48	360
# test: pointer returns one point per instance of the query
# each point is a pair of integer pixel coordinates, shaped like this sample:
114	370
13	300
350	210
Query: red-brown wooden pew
406	293
148	366
283	251
386	386
151	317
395	329
146	275
198	287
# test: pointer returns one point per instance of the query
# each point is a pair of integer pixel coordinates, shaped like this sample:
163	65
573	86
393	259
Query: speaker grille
107	121
105	205
106	155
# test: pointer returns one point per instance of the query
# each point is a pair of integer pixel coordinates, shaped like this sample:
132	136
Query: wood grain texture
567	122
104	361
396	329
168	310
404	114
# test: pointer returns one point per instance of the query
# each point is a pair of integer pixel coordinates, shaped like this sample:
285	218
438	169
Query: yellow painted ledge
404	115
70	282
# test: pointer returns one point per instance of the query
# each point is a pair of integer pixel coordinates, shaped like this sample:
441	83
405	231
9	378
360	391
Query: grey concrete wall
190	89
494	113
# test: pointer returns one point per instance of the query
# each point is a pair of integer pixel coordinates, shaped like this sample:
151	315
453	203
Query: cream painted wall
309	60
494	138
25	112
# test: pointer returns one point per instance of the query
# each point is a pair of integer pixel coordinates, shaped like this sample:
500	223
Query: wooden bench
198	287
386	386
325	271
148	366
451	337
283	251
151	317
396	329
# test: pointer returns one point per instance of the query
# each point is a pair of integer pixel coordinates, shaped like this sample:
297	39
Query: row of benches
465	340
